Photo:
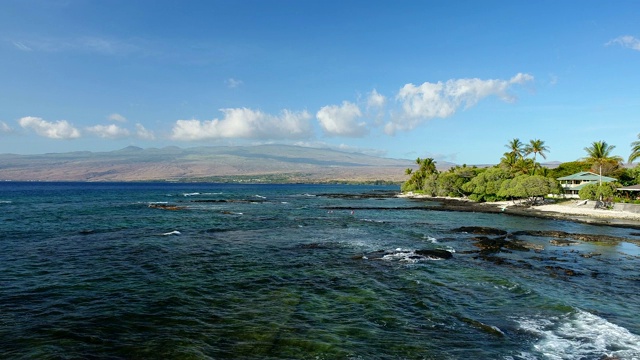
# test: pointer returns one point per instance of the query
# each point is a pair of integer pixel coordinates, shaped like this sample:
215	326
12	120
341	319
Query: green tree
596	191
600	158
450	183
508	161
530	187
569	168
536	147
485	186
516	147
635	150
417	180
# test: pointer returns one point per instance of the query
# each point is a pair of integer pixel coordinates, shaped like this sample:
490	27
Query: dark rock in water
489	245
564	235
438	253
482	326
558	269
589	255
480	230
166	207
560	242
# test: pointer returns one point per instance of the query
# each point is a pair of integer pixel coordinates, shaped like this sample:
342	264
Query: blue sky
452	80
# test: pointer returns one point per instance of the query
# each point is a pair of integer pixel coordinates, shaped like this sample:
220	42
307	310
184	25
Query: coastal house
573	183
632	192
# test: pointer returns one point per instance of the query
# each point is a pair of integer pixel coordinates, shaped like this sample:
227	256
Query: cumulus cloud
109	131
443	99
54	130
117	117
627	41
342	120
247	124
143	133
376	100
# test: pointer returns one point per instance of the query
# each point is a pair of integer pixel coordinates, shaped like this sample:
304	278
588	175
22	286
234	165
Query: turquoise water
215	271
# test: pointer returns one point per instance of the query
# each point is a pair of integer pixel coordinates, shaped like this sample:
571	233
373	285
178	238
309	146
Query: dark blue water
214	271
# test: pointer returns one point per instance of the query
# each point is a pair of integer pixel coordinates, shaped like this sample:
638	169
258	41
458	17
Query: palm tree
508	160
516	146
536	147
599	153
428	165
635	150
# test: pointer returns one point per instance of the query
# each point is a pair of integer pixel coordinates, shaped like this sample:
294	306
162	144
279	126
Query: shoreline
566	211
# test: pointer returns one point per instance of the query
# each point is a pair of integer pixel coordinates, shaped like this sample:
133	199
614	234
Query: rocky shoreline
548	211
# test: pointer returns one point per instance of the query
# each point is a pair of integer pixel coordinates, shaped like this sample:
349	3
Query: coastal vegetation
519	175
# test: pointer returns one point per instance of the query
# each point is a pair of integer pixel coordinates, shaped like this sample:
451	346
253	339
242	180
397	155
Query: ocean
240	271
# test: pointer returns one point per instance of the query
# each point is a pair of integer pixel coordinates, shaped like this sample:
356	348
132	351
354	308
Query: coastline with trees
519	180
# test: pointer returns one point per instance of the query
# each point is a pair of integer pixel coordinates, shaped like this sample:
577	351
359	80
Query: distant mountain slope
281	163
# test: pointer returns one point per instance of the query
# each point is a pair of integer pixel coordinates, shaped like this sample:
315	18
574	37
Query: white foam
5	201
260	197
581	335
191	194
408	256
430	239
174	232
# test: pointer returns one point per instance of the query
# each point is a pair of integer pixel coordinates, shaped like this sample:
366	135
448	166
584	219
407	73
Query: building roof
587	176
630	188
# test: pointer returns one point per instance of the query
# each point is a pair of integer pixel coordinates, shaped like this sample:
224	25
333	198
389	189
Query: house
632	191
573	183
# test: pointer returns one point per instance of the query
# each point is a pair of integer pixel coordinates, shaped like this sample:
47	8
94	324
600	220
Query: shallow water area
215	271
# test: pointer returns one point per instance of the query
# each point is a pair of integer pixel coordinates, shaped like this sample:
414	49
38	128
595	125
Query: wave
174	232
410	256
6	201
580	335
199	194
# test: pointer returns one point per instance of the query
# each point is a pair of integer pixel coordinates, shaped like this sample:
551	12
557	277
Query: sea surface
235	271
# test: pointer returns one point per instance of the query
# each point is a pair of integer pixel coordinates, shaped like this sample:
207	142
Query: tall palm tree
508	160
516	146
536	147
428	165
599	154
635	150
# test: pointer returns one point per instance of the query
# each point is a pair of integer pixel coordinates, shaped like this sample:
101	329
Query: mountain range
260	163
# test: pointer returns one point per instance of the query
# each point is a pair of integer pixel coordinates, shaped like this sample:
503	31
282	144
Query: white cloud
4	128
627	41
441	100
89	44
233	83
117	117
376	100
342	120
143	133
54	130
109	131
247	124
21	46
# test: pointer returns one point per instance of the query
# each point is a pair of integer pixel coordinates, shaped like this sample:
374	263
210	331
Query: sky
451	80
